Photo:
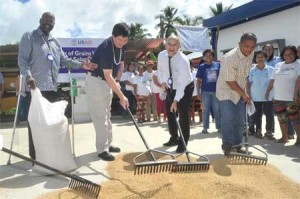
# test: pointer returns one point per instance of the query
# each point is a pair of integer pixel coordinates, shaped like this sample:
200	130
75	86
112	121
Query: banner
193	38
79	49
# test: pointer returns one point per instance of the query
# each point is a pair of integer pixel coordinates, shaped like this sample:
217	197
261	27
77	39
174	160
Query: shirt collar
40	33
241	55
265	68
174	55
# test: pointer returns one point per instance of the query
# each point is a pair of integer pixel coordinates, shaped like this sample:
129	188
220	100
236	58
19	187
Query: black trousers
267	109
51	96
183	109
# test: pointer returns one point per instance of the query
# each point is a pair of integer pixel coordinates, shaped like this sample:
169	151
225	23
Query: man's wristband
117	80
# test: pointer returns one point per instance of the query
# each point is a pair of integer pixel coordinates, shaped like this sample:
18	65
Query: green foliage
138	32
218	9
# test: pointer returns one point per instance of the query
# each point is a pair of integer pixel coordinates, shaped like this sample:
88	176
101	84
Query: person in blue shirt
207	76
272	60
259	78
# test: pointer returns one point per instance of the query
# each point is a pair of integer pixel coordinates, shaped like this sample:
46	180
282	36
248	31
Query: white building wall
280	25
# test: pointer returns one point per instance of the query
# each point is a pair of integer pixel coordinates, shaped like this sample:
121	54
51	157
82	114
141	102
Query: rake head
239	158
142	164
84	186
248	158
200	165
154	167
191	167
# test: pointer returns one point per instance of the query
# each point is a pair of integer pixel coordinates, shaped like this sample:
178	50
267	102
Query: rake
77	183
202	163
142	164
247	157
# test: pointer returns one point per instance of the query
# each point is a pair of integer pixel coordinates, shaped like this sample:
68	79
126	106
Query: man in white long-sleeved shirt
176	78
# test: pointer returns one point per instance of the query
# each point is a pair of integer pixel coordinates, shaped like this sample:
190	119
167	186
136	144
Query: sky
92	18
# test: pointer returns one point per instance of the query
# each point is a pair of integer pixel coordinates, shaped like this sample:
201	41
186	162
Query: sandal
281	140
258	134
269	135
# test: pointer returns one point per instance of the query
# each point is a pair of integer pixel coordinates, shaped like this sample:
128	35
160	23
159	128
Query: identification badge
50	57
170	81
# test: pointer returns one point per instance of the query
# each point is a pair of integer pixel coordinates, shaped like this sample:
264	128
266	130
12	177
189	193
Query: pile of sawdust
223	180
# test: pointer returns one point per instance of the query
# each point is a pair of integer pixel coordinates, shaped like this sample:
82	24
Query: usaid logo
81	42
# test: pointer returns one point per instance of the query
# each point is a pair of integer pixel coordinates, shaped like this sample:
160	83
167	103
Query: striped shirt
234	67
33	61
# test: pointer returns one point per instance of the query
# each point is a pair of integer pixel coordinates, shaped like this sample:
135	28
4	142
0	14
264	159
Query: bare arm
198	85
297	89
155	80
115	87
270	87
248	88
234	86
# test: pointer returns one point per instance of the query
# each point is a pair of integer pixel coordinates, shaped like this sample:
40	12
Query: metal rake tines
154	167
247	159
84	186
191	167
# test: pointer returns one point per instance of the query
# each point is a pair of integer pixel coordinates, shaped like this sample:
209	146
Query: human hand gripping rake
77	183
247	157
202	163
154	165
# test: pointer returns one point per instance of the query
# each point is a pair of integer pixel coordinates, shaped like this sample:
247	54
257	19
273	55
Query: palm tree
188	21
167	19
219	9
138	32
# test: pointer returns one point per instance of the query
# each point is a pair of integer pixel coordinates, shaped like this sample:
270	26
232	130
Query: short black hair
259	52
121	29
248	36
292	48
208	51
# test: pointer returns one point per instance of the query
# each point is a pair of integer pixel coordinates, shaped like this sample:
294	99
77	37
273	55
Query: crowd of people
168	89
236	86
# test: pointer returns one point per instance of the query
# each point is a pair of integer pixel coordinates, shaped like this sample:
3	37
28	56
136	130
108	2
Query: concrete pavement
17	181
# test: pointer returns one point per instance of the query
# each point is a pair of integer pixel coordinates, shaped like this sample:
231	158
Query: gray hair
174	37
248	36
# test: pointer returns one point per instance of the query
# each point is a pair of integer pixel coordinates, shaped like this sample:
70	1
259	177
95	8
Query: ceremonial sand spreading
223	180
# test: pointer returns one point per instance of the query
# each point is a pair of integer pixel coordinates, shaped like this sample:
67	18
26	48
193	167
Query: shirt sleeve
24	54
230	69
160	72
199	73
184	79
65	61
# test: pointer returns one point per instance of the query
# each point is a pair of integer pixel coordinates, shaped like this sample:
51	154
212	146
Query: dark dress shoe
114	149
106	156
180	149
171	142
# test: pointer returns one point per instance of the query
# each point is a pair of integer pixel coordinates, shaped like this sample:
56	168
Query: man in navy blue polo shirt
101	82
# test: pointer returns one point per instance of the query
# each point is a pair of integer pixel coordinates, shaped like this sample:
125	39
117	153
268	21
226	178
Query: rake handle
182	138
36	162
140	133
